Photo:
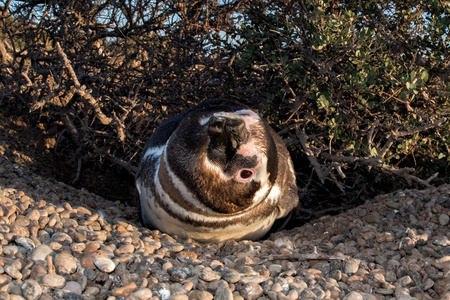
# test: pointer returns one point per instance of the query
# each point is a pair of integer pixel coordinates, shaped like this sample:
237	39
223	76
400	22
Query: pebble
223	292
72	287
53	281
125	291
395	245
353	296
231	276
351	266
31	289
13	272
104	264
208	274
251	291
40	253
444	219
200	295
65	263
142	294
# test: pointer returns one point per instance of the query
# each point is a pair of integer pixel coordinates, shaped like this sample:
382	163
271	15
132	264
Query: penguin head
222	157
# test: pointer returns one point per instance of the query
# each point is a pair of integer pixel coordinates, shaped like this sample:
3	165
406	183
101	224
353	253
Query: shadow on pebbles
58	242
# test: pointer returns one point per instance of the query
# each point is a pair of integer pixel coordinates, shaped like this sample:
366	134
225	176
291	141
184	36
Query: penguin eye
245	175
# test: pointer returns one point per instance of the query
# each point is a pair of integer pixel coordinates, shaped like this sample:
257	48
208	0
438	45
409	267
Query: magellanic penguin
216	172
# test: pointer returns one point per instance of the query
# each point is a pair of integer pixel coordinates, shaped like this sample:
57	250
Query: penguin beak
226	135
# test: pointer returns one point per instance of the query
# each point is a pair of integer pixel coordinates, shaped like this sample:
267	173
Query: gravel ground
58	242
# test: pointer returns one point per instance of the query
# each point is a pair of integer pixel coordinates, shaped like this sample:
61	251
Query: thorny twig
81	89
310	154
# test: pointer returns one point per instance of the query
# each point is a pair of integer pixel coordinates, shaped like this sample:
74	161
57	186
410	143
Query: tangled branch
338	162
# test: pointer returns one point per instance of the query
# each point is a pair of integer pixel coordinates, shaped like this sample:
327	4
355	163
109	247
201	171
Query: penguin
216	172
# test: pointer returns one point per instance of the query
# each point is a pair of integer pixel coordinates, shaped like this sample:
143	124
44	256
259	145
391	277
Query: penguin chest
168	204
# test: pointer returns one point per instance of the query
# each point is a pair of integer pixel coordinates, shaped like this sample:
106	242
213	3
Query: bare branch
373	162
71	128
370	135
310	154
6	57
81	90
420	129
24	72
39	104
5	8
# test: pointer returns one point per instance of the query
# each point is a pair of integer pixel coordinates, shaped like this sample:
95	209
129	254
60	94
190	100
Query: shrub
359	90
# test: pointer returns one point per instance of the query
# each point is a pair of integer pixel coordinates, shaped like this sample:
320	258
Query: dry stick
39	104
78	174
371	132
404	172
24	73
372	162
6	57
126	165
81	90
310	154
71	128
129	167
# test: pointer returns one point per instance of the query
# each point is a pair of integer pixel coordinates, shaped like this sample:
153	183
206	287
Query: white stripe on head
154	152
203	121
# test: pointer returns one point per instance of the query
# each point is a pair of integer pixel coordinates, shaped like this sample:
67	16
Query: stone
351	266
405	281
13	272
254	279
34	215
353	296
251	291
40	253
402	293
444	219
104	264
31	289
65	263
53	281
142	294
230	275
223	292
442	286
186	256
161	290
10	250
125	291
25	242
200	295
207	274
179	274
72	287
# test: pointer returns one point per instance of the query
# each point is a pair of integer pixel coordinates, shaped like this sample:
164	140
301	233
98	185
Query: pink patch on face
248	149
245	175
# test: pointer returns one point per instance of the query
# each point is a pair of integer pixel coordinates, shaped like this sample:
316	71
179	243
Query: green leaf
323	102
424	76
373	152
